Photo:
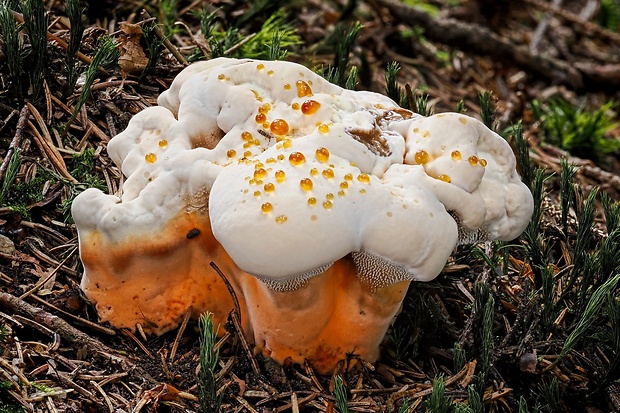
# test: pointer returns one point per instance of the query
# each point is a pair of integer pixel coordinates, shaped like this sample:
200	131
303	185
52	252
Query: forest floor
531	325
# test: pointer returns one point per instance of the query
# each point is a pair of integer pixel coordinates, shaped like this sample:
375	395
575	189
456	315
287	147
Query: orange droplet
303	89
287	87
312	201
260	66
421	157
322	154
456	155
309	107
247	154
363	178
221	76
329	196
247	136
314	172
344	184
341	193
348	177
260	174
264	108
473	159
266	208
280	157
162	143
483	162
328	205
295	106
445	178
297	158
231	153
260	118
257	193
280	176
270	72
306	184
269	187
328	173
279	127
150	157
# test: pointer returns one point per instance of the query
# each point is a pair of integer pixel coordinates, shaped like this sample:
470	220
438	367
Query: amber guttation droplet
266	125
314	172
328	173
296	158
247	154
473	160
426	134
363	178
344	184
456	155
260	118
329	196
270	72
303	89
150	157
257	193
281	157
264	108
306	184
312	201
463	120
362	191
280	176
221	76
348	177
162	143
260	174
247	145
287	87
445	178
271	160
231	153
269	187
279	127
322	154
295	106
323	128
281	219
341	193
247	136
328	205
483	162
309	107
421	157
287	143
266	208
260	66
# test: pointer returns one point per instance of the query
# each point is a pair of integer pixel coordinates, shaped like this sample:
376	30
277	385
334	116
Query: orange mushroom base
155	278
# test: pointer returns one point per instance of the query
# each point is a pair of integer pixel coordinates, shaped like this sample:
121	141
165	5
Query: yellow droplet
247	136
310	107
303	89
445	178
328	205
162	143
150	157
253	181
280	176
416	130
363	178
306	184
231	153
295	106
266	125
247	154
281	157
328	173
221	76
260	118
260	66
483	162
322	154
323	128
279	127
463	120
348	177
297	158
287	87
456	155
281	219
362	191
269	187
287	143
312	201
271	160
264	108
329	196
421	157
266	208
341	193
257	193
260	174
344	184
247	145
473	160
270	72
426	134
314	172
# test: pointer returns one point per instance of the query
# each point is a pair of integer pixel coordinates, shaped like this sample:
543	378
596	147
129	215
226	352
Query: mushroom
315	201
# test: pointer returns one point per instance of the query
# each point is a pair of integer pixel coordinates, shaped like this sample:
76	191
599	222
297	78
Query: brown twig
17	140
175	52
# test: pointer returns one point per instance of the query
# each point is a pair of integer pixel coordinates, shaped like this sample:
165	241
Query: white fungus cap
300	172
